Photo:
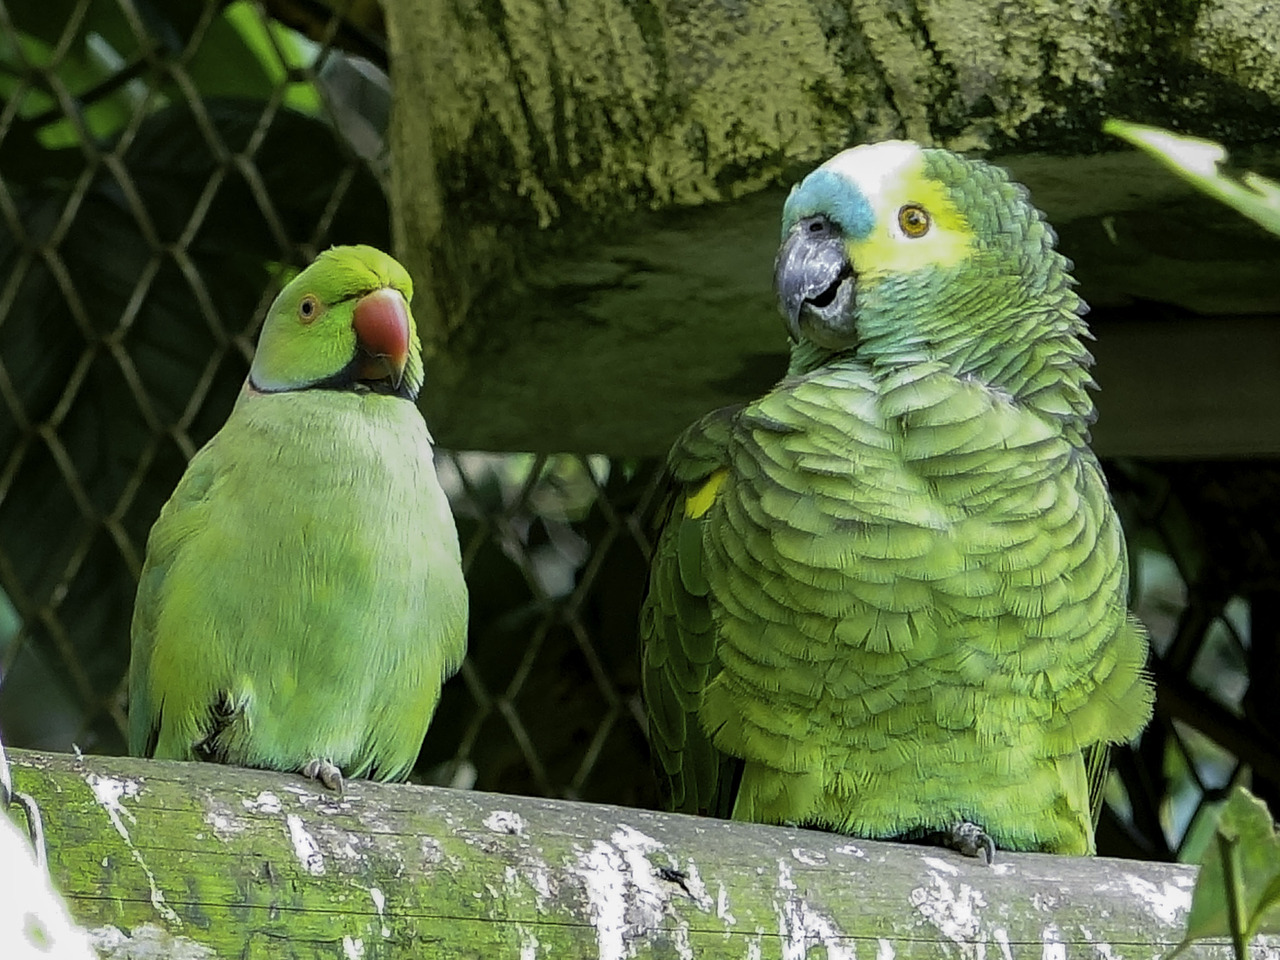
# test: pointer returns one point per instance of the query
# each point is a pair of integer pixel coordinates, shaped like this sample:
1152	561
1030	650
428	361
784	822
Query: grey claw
324	771
972	841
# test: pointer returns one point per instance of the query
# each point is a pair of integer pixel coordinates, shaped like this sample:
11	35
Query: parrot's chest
890	528
324	521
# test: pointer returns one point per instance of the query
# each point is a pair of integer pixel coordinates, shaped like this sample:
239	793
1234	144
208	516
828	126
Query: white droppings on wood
884	949
852	850
1169	901
937	863
506	821
1100	947
348	849
530	874
1054	947
108	792
800	924
537	876
380	904
1044	903
305	847
602	872
541	878
265	802
753	947
352	948
528	944
680	940
323	801
224	826
1001	936
147	941
722	907
956	913
810	858
432	852
626	899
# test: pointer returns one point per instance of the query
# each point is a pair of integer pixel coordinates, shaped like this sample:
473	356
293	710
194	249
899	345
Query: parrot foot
972	841
325	772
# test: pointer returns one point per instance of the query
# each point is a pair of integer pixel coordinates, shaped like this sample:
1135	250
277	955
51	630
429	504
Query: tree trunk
588	195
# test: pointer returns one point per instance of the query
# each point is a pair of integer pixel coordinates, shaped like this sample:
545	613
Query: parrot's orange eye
913	220
308	309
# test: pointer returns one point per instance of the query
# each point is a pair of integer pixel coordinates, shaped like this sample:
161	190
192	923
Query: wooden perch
195	860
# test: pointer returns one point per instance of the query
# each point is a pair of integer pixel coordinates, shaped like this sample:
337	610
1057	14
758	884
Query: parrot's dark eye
308	308
913	220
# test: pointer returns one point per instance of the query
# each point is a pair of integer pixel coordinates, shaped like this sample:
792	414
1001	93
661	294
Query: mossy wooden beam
191	860
588	194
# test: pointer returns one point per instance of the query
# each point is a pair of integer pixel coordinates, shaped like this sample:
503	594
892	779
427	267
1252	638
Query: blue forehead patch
829	193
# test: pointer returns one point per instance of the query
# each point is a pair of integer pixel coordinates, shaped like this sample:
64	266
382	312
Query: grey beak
810	265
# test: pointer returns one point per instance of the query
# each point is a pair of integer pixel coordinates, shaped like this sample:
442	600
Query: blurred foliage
1204	164
556	554
1237	892
1205	568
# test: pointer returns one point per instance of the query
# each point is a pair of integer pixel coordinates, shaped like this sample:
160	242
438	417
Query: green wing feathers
677	630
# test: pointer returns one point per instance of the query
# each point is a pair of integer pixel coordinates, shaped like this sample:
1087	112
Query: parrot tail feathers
1097	764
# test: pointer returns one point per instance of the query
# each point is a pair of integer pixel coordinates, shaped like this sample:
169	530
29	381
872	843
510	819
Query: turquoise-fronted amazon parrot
302	598
889	596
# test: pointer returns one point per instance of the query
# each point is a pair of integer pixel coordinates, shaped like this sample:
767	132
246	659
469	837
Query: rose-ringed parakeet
302	599
889	598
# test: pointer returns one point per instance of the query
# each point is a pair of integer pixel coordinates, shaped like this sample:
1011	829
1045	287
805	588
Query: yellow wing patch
700	502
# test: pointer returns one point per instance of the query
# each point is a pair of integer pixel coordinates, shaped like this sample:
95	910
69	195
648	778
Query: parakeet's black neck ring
345	380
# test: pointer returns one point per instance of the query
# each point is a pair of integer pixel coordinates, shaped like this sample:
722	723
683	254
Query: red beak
381	323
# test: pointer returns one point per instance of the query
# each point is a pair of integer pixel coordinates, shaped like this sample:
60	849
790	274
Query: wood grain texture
194	860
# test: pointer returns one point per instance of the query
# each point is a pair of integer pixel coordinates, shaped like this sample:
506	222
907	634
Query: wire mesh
162	168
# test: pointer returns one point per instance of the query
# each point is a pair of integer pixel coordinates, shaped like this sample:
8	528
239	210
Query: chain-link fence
162	167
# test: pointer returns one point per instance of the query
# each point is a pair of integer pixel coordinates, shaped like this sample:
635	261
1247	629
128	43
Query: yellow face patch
891	177
700	501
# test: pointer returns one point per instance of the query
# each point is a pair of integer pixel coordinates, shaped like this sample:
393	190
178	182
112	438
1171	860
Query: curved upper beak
381	324
810	266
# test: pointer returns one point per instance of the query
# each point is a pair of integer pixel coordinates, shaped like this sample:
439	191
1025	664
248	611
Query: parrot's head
905	253
343	323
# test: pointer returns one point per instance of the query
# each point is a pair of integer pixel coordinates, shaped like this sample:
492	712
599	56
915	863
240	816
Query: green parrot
302	598
889	596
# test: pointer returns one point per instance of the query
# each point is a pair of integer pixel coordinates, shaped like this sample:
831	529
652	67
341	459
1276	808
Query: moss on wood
197	860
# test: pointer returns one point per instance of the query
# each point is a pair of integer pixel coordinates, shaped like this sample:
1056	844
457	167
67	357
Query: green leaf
240	56
1246	825
1202	162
